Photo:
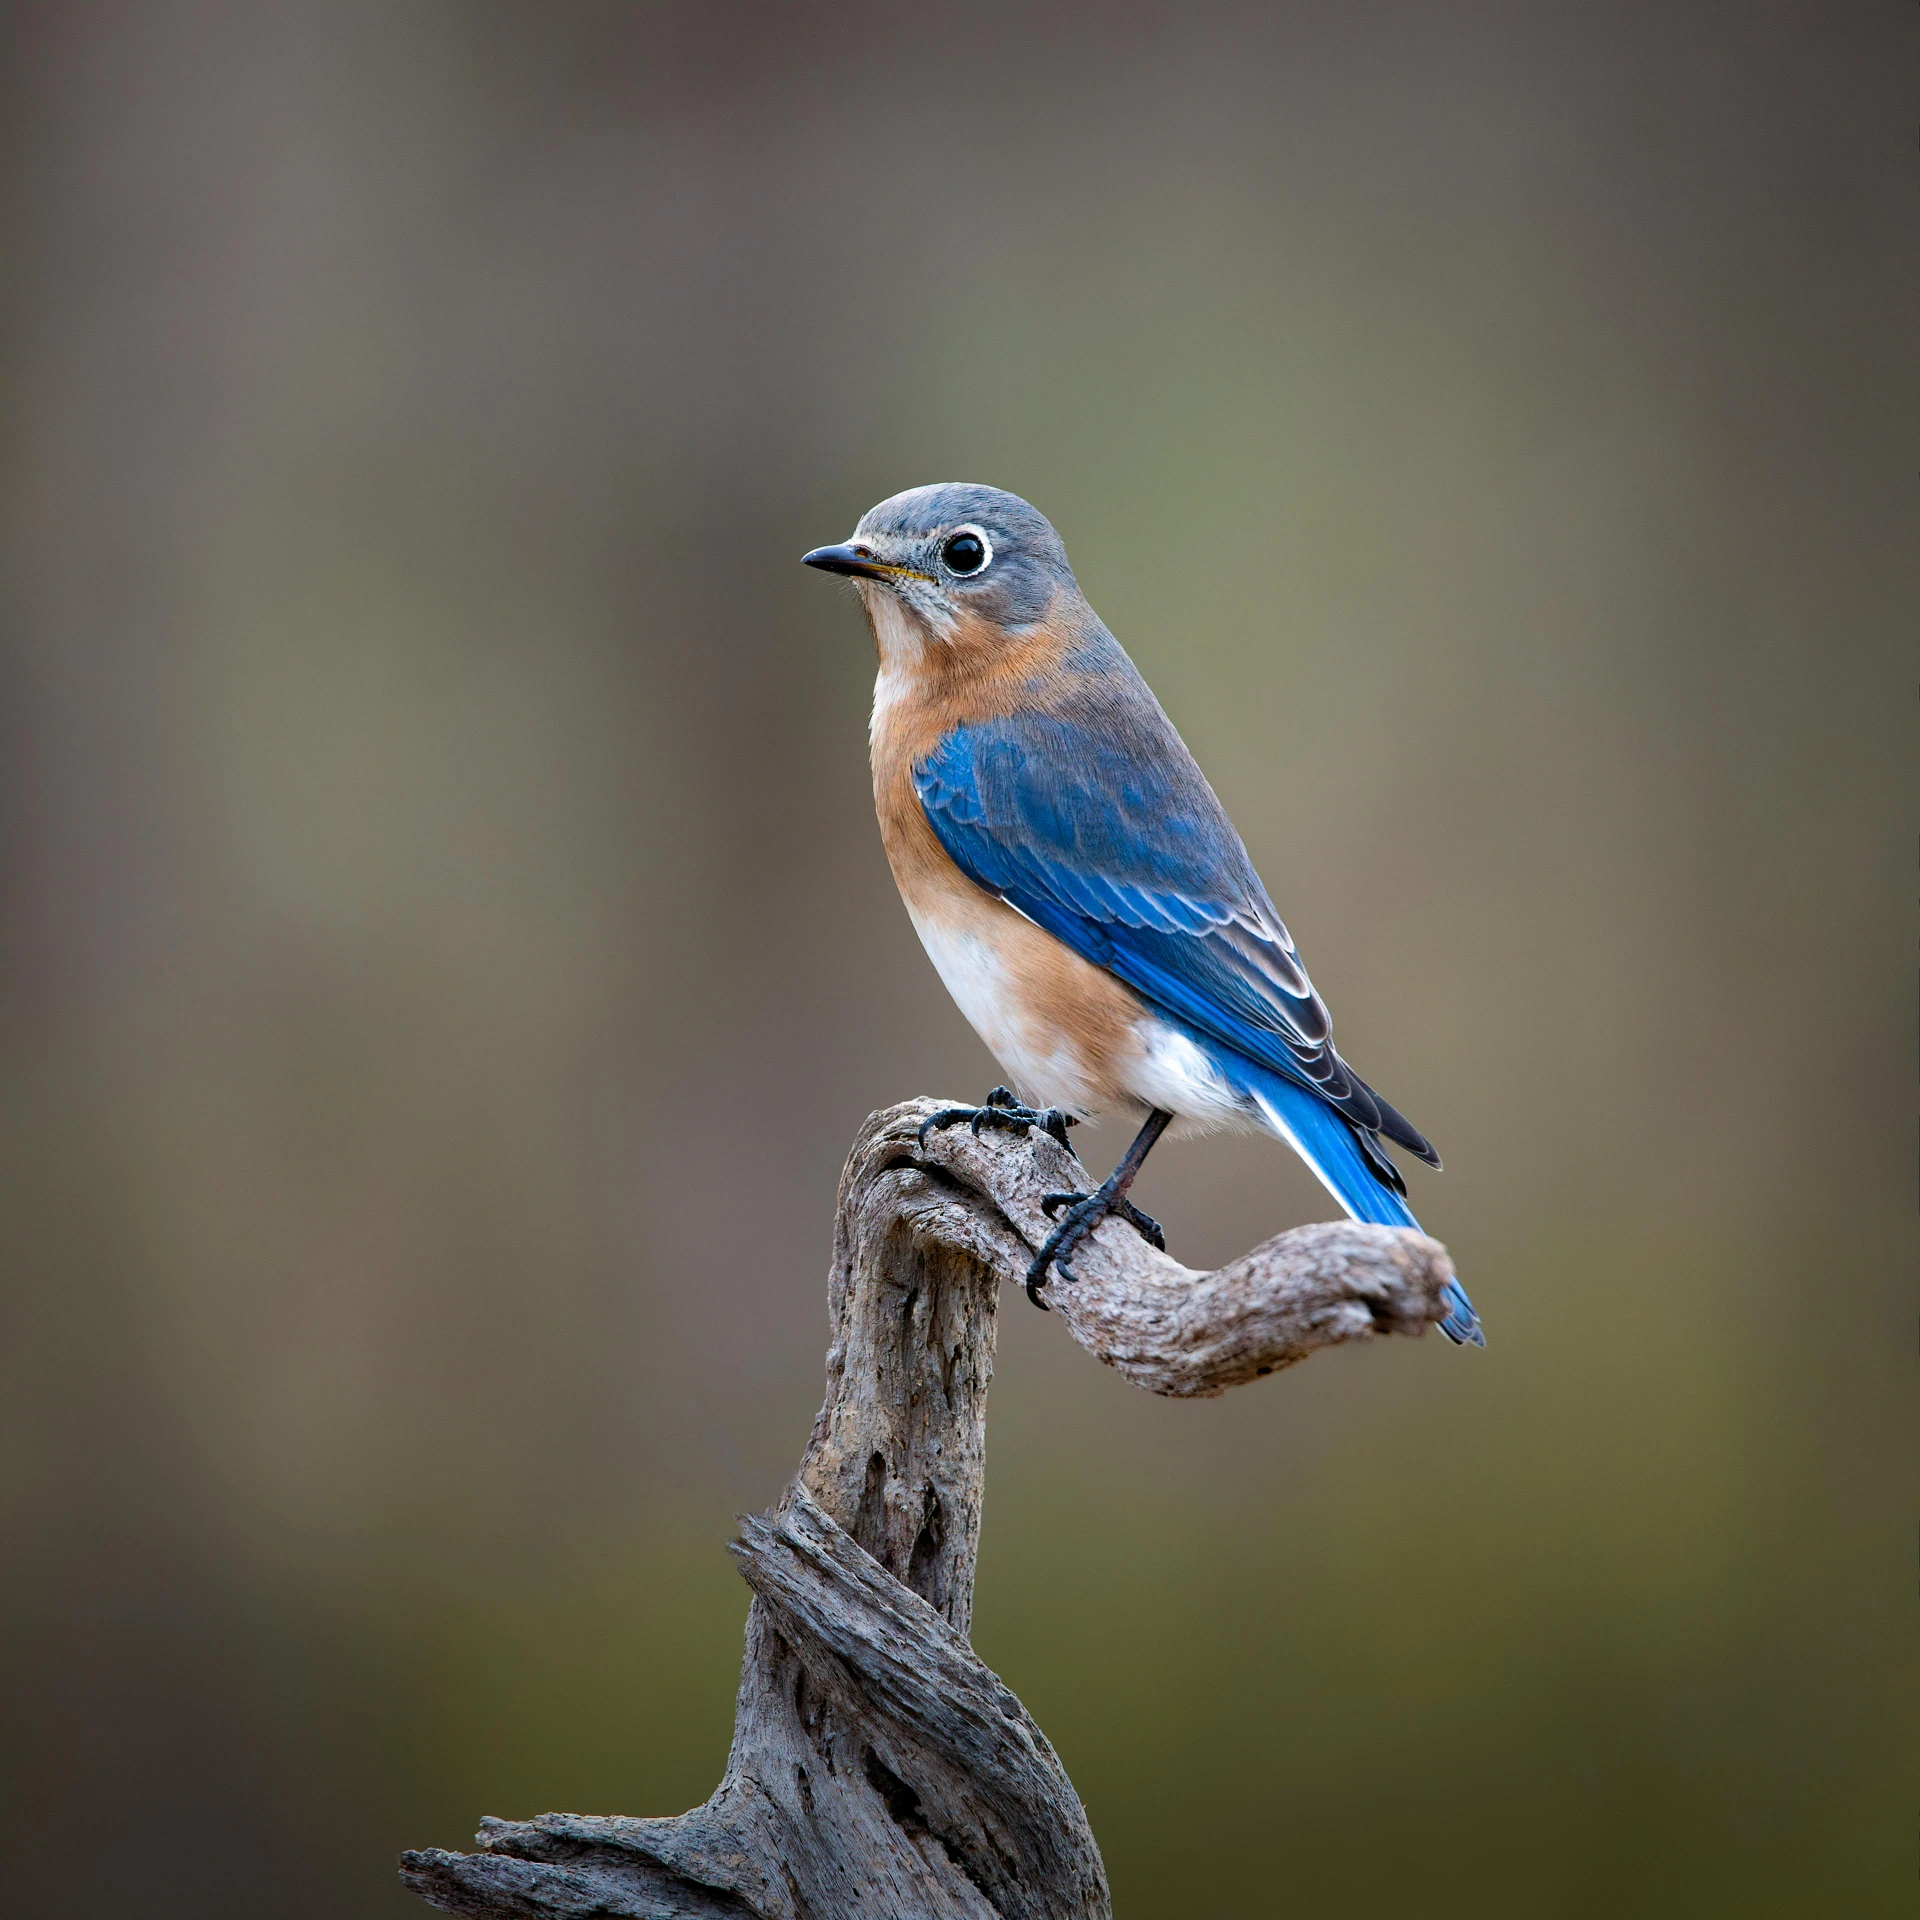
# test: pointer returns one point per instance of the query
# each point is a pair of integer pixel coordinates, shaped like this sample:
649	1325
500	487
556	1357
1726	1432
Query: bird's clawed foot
1001	1109
1121	1208
1078	1215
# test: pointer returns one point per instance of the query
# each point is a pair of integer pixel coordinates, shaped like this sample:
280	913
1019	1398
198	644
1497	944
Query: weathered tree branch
879	1771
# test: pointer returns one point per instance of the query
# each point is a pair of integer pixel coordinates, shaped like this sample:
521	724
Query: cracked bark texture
879	1770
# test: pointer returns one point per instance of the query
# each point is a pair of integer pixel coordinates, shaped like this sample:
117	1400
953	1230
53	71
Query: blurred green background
436	841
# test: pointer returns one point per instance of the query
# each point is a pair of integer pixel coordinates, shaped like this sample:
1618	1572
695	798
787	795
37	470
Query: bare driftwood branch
879	1771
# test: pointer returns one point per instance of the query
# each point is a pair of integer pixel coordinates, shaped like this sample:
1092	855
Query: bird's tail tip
1462	1324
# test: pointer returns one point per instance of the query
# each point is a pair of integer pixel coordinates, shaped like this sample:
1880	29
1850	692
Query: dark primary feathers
1091	817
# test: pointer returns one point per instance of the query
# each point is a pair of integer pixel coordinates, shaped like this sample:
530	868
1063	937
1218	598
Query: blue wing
1097	825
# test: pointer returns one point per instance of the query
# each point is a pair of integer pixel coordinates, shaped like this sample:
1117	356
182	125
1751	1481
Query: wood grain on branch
879	1770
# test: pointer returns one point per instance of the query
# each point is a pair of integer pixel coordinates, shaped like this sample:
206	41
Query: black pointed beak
853	561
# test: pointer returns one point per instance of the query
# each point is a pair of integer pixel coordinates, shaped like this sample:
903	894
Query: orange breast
1067	1032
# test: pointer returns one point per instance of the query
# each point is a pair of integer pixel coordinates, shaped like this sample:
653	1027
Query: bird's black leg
1084	1211
1001	1109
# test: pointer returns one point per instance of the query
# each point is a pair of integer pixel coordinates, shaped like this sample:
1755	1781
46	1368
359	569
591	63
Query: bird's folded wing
1120	850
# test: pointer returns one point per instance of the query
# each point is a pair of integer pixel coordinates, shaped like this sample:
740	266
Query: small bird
1075	882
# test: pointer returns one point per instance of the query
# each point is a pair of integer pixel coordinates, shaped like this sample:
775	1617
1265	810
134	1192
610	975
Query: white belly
1175	1076
1158	1066
1044	1064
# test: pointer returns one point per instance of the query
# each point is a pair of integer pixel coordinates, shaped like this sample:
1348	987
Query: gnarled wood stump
879	1770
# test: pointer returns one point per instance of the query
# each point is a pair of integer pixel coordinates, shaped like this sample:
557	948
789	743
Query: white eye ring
986	548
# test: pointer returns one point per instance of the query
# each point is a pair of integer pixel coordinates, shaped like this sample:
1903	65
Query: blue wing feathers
1100	829
1108	836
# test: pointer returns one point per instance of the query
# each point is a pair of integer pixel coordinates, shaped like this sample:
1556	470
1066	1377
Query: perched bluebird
1074	880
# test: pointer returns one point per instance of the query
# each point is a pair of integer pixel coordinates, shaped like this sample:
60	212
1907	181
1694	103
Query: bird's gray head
953	555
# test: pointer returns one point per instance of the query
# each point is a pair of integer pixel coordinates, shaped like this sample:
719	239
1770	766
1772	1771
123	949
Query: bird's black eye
965	552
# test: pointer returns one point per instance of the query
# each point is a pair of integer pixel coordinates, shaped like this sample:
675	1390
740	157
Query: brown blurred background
436	844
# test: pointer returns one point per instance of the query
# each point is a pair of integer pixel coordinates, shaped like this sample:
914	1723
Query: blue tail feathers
1326	1143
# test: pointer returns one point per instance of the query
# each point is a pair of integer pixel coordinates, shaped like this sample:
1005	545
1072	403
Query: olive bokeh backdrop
436	846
